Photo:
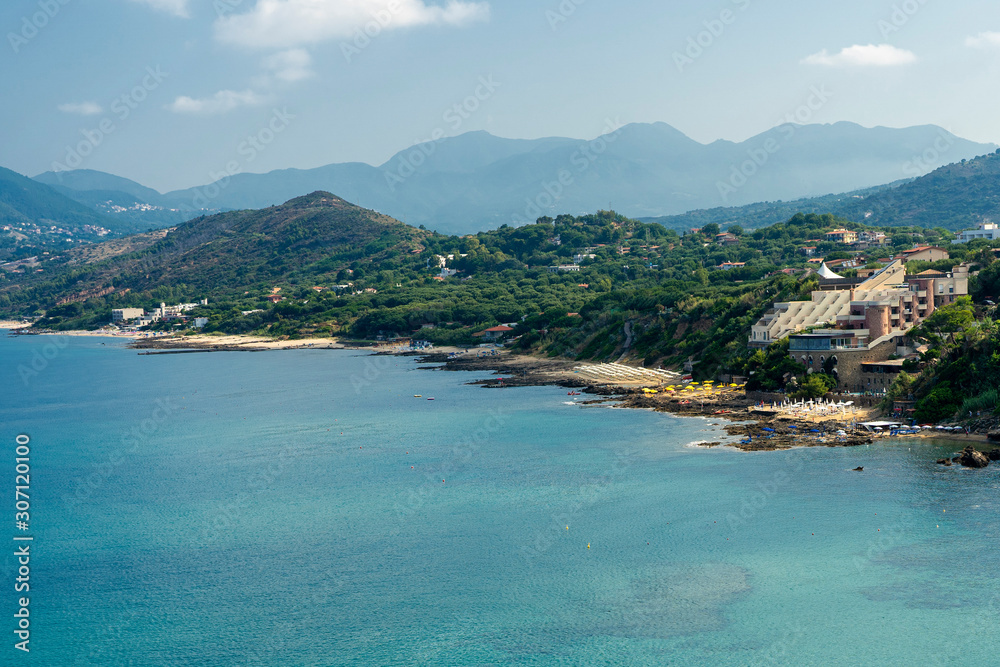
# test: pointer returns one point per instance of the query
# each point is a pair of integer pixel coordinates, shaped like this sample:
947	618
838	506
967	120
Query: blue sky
167	92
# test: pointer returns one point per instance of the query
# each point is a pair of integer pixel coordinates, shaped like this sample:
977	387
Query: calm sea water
304	508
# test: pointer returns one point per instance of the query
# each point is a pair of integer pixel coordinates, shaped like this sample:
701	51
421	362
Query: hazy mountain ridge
478	181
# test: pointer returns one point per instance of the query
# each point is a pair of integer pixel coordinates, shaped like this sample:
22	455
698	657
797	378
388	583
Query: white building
984	230
200	322
125	314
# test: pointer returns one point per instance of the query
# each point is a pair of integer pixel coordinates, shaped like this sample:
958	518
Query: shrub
939	404
988	401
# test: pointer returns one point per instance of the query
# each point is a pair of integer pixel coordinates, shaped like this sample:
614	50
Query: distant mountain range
26	201
477	181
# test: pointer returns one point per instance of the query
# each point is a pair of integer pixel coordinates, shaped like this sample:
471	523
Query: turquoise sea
305	508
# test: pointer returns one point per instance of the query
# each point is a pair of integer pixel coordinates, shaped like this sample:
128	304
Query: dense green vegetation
960	370
764	214
641	291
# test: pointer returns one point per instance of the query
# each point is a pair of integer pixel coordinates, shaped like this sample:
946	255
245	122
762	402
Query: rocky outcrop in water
972	458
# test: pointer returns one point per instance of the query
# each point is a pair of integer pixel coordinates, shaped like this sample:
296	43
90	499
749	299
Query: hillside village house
924	253
870	239
984	230
842	236
856	321
494	333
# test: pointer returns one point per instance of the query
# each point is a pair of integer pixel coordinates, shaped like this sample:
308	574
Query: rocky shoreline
755	430
970	457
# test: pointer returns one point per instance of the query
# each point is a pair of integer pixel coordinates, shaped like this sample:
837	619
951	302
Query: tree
901	387
768	369
711	229
816	385
945	322
941	403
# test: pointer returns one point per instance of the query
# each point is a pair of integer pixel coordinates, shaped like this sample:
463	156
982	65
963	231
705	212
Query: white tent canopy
827	273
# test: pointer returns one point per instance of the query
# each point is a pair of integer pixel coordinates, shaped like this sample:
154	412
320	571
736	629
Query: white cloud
82	108
290	65
286	23
222	102
871	55
175	7
983	40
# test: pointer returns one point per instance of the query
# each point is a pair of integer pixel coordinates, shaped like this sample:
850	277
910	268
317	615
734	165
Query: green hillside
310	237
38	219
23	200
668	285
956	196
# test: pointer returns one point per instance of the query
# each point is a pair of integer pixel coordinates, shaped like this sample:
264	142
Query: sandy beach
11	324
232	343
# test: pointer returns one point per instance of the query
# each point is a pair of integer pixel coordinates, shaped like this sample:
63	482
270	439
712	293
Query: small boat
418	396
430	399
573	393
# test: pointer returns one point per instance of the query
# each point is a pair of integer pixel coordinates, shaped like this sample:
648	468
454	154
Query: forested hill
956	196
307	236
225	254
35	218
